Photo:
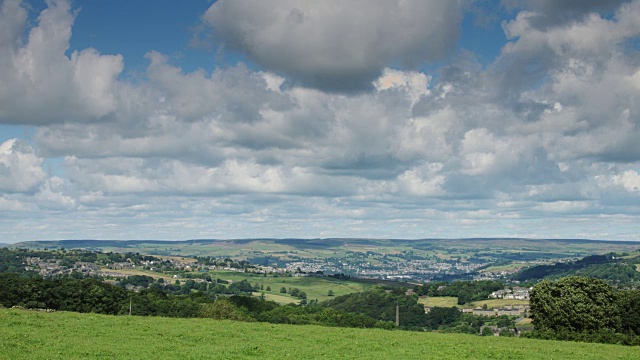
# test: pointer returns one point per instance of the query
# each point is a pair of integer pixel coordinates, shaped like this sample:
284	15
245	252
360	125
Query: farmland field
61	335
439	301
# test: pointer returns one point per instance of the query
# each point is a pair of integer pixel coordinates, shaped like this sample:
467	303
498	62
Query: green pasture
61	335
280	299
438	301
314	287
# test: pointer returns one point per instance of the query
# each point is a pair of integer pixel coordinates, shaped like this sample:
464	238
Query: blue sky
233	119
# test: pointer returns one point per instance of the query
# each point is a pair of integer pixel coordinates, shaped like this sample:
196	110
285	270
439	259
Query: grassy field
280	299
36	335
439	301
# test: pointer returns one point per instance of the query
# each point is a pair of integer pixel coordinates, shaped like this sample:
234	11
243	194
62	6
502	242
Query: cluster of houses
54	267
514	310
422	270
518	293
186	264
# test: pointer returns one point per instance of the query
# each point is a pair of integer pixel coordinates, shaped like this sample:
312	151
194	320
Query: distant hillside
614	269
77	244
569	245
61	335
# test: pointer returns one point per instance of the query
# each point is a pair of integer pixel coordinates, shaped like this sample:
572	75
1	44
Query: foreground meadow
62	335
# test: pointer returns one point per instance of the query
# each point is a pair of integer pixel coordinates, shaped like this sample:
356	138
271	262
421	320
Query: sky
315	119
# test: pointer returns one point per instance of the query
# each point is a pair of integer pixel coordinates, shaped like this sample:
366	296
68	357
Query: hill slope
37	335
616	270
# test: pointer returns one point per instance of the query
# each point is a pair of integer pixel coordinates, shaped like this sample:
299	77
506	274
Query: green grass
36	335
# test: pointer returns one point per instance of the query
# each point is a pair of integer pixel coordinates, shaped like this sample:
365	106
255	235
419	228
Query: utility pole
129	306
397	314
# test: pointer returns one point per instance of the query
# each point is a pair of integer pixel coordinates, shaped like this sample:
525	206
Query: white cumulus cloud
20	168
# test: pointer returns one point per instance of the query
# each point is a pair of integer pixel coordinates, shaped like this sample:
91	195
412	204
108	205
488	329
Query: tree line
373	308
465	291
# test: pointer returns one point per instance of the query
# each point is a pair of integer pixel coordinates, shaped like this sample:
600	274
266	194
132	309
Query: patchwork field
314	287
37	335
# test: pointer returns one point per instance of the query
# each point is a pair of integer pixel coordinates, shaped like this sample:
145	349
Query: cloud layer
540	142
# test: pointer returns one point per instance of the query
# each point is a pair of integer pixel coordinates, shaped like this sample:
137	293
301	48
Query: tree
506	332
268	288
224	309
330	293
283	290
486	331
574	304
442	316
629	300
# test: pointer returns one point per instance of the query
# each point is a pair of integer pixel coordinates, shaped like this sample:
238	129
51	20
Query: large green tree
575	304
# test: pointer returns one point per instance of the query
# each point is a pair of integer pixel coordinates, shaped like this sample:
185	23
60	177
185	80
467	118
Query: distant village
407	270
